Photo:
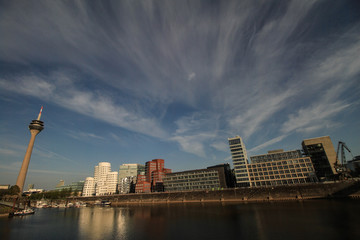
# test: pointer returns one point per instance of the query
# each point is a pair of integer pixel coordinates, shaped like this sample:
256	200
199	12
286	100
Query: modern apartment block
127	177
240	161
154	174
89	187
215	177
105	180
323	156
274	168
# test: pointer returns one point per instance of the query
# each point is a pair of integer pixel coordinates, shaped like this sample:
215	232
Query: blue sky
131	81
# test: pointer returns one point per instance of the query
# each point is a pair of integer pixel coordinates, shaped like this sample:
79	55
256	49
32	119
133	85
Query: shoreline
345	189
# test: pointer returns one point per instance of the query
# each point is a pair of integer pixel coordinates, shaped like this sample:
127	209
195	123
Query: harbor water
317	219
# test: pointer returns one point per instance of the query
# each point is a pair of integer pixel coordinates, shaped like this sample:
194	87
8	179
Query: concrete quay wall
279	193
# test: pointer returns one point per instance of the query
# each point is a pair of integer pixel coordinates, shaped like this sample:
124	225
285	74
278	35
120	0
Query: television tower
35	127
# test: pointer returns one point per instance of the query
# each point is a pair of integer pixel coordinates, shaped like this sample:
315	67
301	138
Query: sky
131	81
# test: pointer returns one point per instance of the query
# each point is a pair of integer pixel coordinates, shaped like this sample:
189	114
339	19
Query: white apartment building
111	182
103	183
89	187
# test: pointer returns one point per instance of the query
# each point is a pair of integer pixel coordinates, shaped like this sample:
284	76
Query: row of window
283	182
191	184
278	163
192	176
293	175
281	171
307	167
192	180
169	189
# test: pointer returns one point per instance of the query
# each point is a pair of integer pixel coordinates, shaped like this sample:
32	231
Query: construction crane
340	164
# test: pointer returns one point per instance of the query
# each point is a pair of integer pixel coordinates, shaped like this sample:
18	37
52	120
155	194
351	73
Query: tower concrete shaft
35	128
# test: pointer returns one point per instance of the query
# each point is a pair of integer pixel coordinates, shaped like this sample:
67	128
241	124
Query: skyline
131	81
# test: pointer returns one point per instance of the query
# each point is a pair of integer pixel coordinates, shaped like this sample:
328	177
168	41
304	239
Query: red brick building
152	181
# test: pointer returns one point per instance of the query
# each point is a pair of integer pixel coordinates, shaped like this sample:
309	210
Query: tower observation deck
35	127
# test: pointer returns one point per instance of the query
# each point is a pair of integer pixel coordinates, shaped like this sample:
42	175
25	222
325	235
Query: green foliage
13	190
56	194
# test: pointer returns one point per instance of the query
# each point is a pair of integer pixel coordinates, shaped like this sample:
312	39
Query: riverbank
4	211
345	189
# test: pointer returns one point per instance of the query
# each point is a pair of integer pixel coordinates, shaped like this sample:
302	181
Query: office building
60	184
154	174
240	161
276	155
215	177
274	168
323	156
281	168
127	177
142	186
74	186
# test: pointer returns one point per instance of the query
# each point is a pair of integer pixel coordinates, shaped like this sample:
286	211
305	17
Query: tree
14	190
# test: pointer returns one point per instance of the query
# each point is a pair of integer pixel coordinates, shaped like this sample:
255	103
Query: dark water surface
321	219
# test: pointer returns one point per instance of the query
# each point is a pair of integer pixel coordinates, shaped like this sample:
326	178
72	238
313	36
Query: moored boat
22	212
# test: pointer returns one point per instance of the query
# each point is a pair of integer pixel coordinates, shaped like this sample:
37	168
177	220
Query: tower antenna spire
39	116
35	127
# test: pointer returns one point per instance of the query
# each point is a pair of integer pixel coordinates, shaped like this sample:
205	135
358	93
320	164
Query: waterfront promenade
345	189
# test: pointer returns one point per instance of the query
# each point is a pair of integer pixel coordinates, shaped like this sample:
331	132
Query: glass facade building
127	177
323	155
282	172
215	177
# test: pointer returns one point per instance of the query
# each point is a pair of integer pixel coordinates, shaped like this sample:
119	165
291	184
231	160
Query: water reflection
282	220
121	223
101	223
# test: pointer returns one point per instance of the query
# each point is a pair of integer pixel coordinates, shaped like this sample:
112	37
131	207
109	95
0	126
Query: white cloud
191	76
89	103
220	146
259	111
308	118
195	131
247	58
268	143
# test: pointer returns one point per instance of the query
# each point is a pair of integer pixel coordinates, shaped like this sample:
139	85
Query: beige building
274	168
322	154
282	172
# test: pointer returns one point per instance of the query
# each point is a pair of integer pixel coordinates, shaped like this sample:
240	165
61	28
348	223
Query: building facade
104	180
74	186
89	187
154	174
240	161
276	155
323	156
274	168
215	177
127	177
282	172
111	182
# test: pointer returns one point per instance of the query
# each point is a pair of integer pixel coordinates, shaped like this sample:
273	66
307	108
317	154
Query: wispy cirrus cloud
254	68
63	92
